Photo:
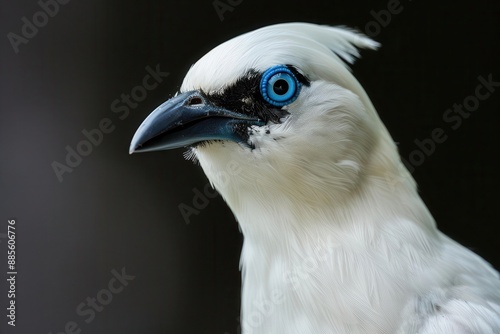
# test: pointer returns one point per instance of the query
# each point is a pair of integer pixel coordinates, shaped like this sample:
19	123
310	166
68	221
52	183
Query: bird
336	236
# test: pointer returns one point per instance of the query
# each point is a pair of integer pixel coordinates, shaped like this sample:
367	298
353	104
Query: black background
116	210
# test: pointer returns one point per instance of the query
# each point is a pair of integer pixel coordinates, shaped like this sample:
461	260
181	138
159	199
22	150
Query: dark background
116	210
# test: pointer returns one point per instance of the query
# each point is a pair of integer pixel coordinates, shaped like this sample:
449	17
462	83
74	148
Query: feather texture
337	239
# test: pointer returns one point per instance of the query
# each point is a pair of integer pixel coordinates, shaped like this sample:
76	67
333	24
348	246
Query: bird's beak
187	119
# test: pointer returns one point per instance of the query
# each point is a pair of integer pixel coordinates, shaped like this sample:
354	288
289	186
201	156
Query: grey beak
187	119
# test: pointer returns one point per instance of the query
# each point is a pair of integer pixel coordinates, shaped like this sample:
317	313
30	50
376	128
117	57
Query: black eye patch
244	97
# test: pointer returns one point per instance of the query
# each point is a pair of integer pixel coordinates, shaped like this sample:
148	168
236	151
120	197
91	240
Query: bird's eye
279	86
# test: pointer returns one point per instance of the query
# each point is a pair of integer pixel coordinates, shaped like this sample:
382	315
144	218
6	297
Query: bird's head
273	109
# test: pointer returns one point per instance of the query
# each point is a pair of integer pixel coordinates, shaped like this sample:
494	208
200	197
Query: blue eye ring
279	86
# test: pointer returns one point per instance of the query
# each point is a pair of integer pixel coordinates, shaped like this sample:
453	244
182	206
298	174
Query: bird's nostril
195	100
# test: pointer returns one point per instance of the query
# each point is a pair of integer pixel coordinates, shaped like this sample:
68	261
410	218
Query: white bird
336	237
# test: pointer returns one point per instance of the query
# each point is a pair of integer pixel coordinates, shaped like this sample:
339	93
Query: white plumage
336	237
